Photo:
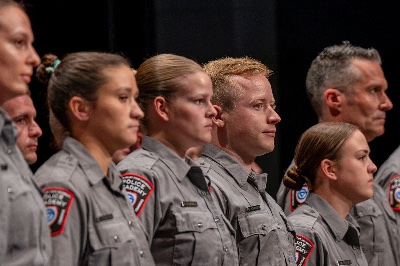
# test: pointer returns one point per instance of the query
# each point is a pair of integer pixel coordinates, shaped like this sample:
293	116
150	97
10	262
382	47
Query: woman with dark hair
92	101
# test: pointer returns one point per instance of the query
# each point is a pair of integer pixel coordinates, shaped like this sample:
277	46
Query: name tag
344	262
104	217
253	208
189	204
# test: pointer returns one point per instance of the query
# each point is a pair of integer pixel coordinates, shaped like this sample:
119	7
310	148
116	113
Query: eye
273	105
123	98
374	90
20	42
199	101
363	158
20	121
258	106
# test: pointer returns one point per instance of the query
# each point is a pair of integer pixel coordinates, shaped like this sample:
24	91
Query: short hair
324	140
160	75
333	68
221	71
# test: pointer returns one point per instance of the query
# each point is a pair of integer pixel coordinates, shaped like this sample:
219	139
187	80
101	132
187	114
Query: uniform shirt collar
7	129
177	165
338	226
233	167
89	165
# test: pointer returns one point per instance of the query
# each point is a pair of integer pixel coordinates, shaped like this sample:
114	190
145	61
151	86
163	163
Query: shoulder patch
298	197
394	193
138	189
304	247
58	202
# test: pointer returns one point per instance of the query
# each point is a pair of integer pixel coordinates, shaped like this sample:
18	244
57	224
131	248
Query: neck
338	202
98	151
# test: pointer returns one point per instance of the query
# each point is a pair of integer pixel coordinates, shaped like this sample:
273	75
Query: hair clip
51	68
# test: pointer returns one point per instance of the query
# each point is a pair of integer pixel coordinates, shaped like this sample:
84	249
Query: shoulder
60	167
304	217
138	160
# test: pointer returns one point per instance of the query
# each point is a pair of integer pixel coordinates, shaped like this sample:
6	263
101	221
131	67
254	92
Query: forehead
14	20
254	87
355	142
370	73
195	83
19	105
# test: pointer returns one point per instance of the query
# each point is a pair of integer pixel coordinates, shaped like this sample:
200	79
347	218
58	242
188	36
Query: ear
333	99
218	119
161	107
328	168
80	108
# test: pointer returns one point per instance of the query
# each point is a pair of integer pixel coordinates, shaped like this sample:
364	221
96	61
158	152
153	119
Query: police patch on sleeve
304	247
394	193
138	189
298	197
58	202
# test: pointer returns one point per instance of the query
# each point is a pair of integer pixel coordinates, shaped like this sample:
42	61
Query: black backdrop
285	35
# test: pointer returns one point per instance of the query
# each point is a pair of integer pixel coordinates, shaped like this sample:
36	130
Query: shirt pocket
23	198
112	241
196	234
371	221
260	241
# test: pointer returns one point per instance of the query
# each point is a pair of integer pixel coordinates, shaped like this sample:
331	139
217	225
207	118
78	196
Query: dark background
285	35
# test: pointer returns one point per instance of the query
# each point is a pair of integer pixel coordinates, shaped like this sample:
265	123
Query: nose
386	103
35	130
33	57
372	168
211	111
273	117
136	111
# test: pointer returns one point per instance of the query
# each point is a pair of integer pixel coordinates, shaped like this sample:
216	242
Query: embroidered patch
138	189
304	247
394	192
58	202
298	197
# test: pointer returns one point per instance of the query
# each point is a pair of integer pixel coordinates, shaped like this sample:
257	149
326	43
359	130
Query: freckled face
251	126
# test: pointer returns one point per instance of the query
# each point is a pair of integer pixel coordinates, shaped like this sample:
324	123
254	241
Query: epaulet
304	216
144	158
60	166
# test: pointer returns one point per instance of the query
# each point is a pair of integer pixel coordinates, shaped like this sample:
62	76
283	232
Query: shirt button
225	249
200	225
264	227
130	223
216	219
116	238
141	253
8	151
10	190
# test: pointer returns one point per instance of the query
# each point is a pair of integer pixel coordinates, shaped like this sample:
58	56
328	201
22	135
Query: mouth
33	147
270	133
27	78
